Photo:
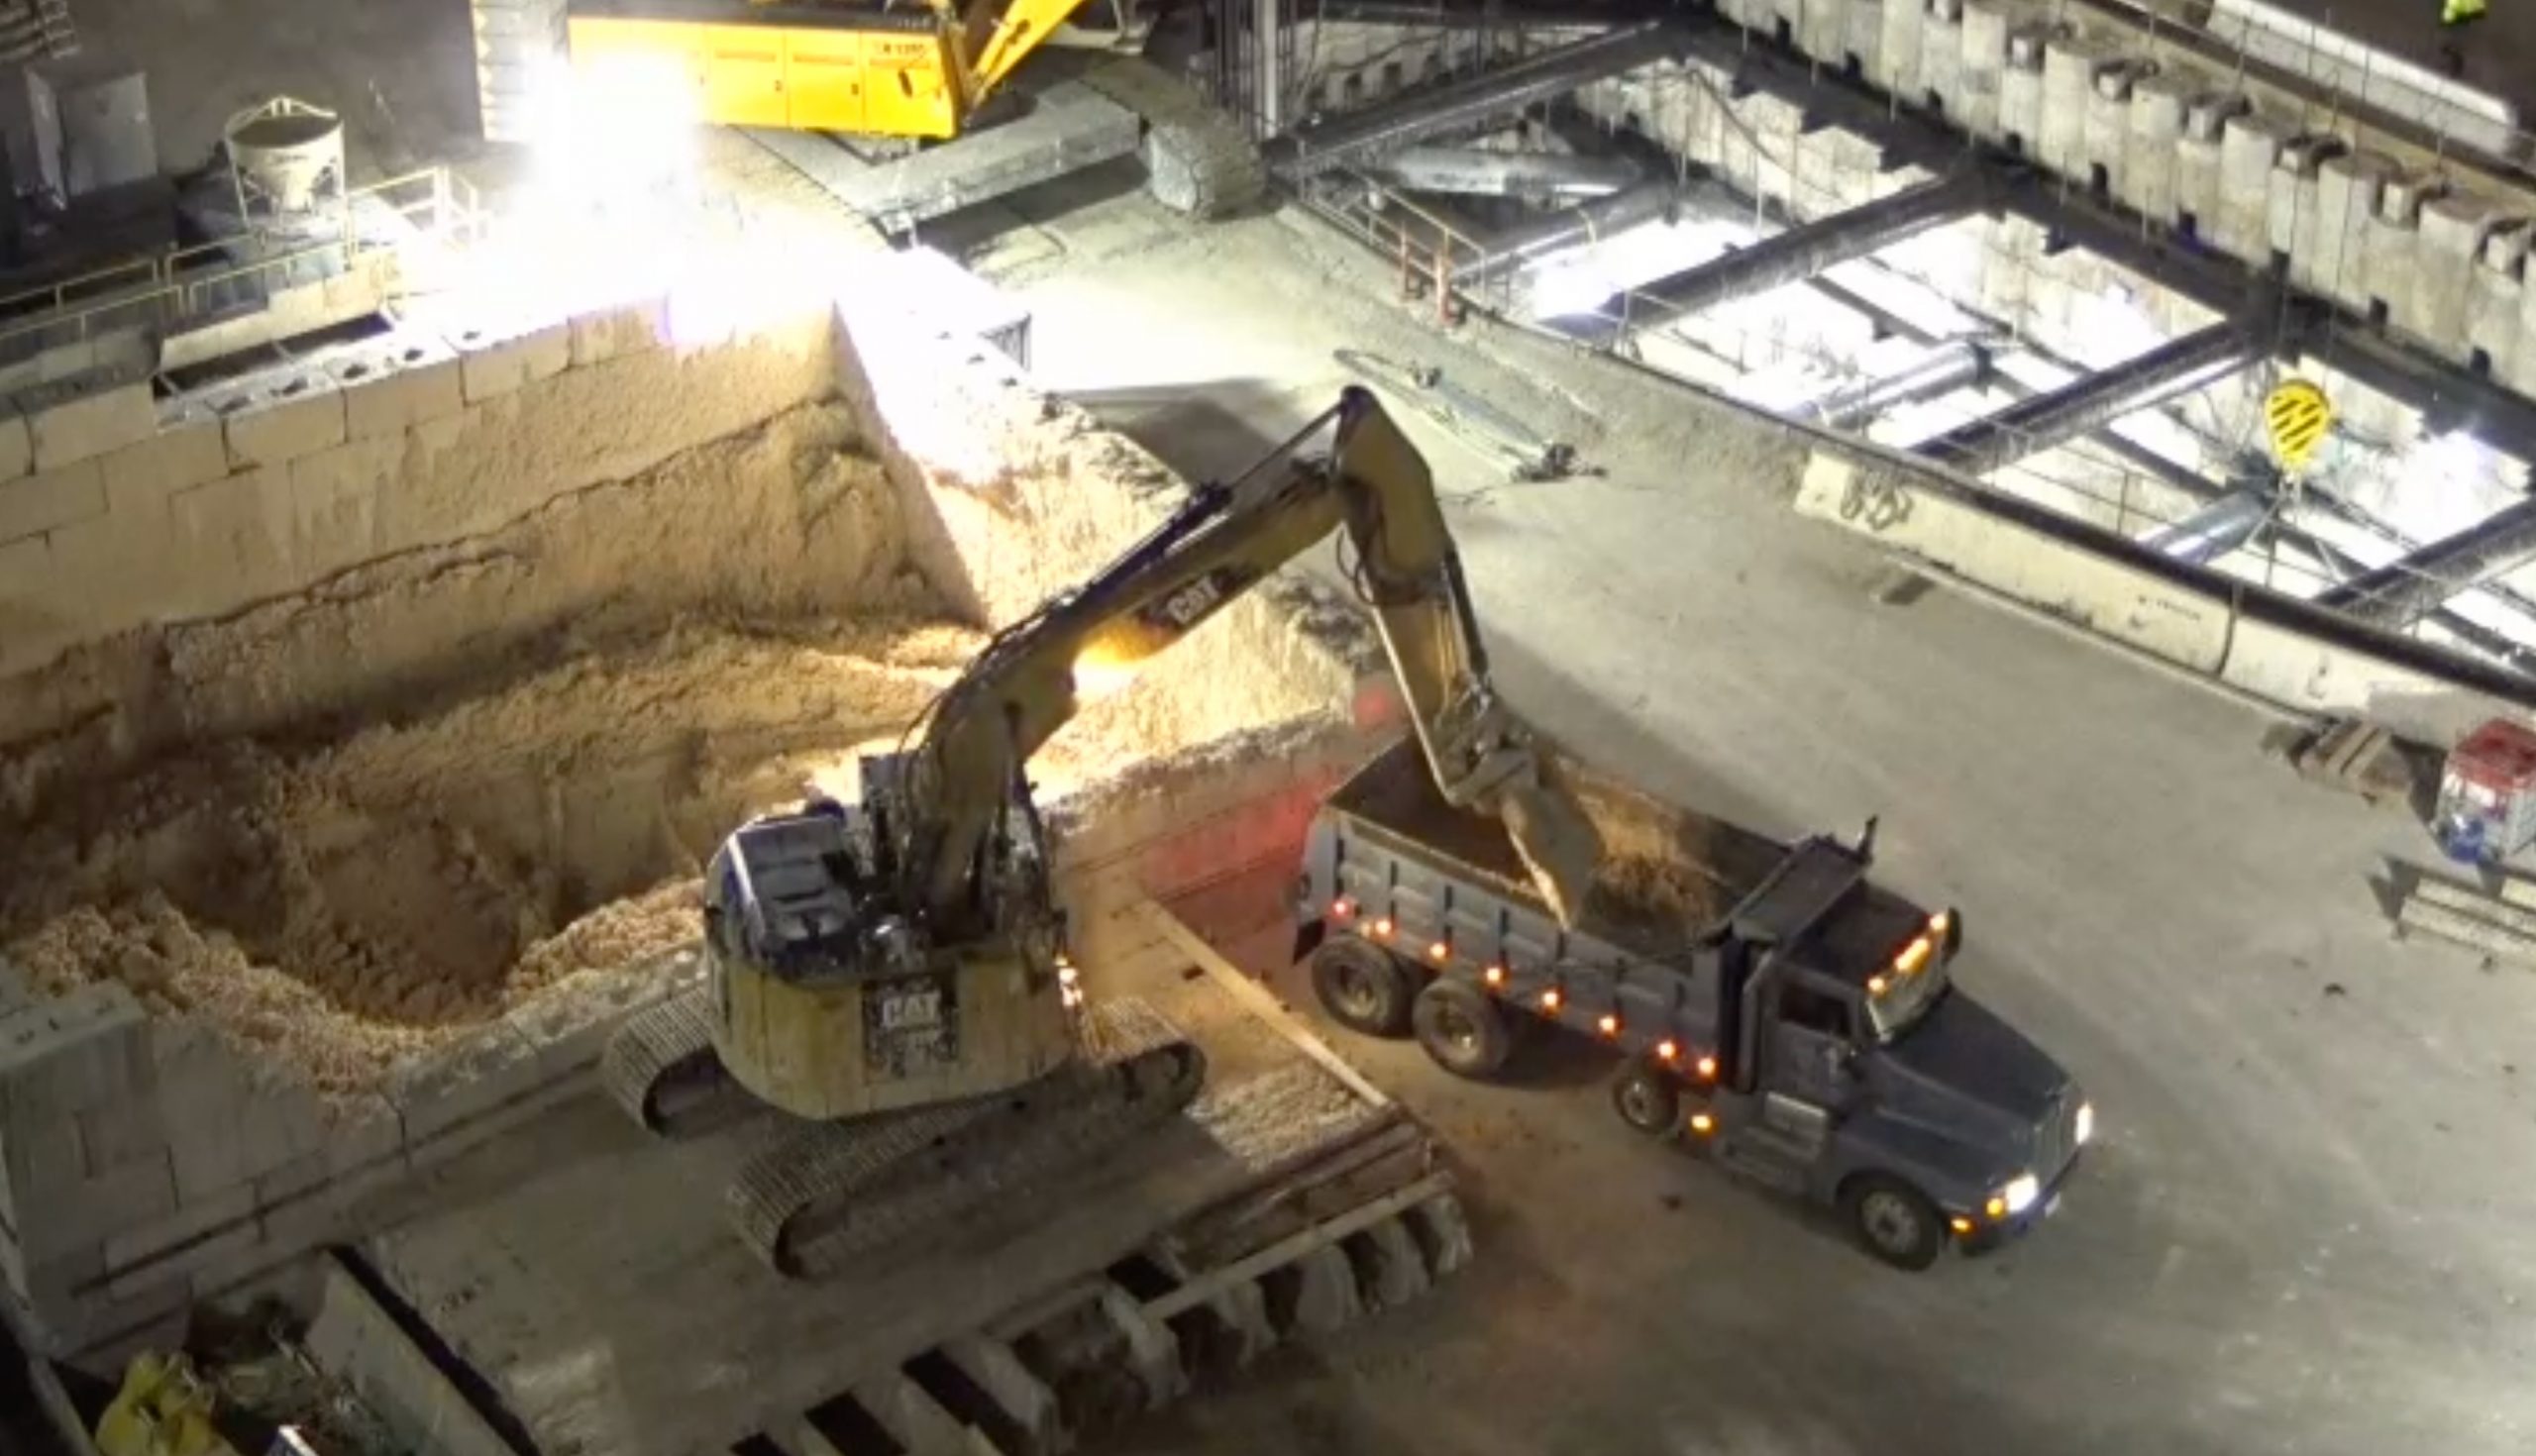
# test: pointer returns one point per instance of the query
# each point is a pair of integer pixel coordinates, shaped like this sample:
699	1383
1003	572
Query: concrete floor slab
2308	1225
589	1275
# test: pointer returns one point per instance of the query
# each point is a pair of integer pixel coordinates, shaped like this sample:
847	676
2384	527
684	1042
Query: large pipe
1573	227
2032	426
1349	139
1797	254
1469	170
1852	404
2214	530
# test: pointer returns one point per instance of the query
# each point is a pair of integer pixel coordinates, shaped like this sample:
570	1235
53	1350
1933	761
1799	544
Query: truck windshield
1905	999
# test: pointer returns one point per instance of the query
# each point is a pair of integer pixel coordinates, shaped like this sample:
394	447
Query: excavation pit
351	825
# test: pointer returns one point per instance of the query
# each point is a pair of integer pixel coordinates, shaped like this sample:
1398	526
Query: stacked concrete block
2496	293
1941	55
275	417
2069	67
2020	88
2249	143
1863	43
410	377
519	47
2447	240
150	1165
1897	49
2197	153
1820	28
2146	180
2336	264
1984	63
2108	125
2390	242
2291	213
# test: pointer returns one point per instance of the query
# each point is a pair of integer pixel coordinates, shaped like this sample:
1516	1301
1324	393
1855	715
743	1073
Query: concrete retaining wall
2274	648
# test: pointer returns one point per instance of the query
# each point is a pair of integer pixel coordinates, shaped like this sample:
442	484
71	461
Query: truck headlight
2086	1126
2021	1193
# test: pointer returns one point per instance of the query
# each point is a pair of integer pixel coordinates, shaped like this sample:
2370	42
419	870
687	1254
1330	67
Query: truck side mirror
1866	838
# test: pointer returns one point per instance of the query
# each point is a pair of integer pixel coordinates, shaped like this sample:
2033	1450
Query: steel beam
1855	403
2449	395
1799	253
1428	111
2410	586
2031	425
1468	171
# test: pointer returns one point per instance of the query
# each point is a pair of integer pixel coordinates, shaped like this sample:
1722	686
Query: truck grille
2058	1142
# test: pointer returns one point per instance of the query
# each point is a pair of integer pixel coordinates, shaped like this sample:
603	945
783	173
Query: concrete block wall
151	1164
130	517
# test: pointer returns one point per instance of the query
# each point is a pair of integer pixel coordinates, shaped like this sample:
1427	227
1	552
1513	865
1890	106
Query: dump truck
1773	1009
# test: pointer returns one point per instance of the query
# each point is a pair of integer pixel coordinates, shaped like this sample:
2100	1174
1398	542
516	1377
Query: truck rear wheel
1362	986
1893	1220
1648	1098
1462	1030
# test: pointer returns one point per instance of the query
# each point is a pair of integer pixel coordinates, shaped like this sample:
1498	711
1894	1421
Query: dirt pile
339	905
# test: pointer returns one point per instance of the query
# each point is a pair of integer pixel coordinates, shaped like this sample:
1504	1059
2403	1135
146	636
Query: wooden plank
1204	1288
1259	1001
2506	919
2442	924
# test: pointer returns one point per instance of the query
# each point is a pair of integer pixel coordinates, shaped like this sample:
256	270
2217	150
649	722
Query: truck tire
1362	986
1463	1031
1893	1220
1648	1098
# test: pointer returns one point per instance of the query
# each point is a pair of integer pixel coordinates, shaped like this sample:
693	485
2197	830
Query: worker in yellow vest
2455	15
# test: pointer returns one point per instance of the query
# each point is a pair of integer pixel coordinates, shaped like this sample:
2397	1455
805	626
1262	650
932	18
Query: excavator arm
1000	35
1373	484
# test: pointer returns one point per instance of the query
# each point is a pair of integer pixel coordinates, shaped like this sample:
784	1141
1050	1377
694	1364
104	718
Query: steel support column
1468	171
1801	252
2031	425
1429	111
1853	404
2405	589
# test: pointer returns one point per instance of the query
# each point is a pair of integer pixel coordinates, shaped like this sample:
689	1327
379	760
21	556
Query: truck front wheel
1362	986
1646	1099
1462	1030
1893	1220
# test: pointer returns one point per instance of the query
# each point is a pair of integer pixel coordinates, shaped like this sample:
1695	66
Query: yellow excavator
910	72
894	973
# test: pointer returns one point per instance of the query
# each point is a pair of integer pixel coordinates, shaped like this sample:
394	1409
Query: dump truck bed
1667	874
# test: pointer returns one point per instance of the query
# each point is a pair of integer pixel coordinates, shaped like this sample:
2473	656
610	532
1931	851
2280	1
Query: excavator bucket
1557	843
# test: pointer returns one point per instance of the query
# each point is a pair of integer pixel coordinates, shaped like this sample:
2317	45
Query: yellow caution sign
2299	415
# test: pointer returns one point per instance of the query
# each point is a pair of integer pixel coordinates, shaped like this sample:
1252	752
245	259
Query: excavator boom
1375	486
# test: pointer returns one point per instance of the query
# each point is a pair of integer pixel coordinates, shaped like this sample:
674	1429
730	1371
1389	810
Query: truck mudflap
1988	1235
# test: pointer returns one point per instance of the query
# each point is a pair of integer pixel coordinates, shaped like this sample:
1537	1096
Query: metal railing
171	288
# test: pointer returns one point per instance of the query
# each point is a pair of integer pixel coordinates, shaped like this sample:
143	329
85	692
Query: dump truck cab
1858	1076
1795	1023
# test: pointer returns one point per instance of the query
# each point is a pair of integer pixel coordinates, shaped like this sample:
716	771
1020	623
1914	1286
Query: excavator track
660	1068
831	1192
1199	162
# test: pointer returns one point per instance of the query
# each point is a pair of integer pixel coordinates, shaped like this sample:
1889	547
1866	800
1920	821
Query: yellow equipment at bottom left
164	1408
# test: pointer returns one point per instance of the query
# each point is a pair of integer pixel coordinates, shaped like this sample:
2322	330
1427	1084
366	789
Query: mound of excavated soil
340	905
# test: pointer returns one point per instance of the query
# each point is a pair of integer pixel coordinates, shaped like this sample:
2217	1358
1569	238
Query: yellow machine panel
614	51
908	85
744	76
897	82
823	80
